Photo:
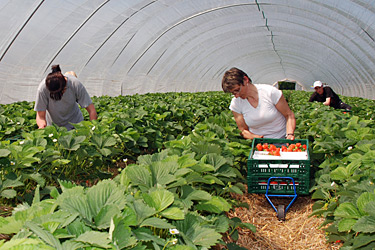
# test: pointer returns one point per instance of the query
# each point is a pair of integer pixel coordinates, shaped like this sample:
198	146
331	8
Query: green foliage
180	157
184	184
343	162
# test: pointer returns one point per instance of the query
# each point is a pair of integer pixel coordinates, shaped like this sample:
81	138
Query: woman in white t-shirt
260	110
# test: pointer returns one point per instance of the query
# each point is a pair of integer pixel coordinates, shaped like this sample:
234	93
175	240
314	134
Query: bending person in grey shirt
58	98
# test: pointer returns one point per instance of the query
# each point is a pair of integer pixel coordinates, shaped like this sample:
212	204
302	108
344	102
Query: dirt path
298	231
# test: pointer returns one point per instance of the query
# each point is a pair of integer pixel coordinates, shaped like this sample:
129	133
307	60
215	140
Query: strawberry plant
184	144
164	192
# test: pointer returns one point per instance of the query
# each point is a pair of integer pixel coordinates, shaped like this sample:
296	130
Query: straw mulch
298	231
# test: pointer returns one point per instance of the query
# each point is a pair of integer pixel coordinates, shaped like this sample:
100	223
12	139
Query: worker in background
57	100
328	97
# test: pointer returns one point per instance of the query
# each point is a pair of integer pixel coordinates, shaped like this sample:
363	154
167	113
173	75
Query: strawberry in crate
270	148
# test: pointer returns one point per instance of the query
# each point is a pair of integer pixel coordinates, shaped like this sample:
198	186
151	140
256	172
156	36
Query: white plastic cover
123	47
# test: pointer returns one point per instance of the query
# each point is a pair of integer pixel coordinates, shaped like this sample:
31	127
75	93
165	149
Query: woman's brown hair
232	78
56	83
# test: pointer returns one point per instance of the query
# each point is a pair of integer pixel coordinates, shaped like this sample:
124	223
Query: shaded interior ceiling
123	47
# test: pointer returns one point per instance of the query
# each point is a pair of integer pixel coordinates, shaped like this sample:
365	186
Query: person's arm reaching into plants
92	112
41	119
328	101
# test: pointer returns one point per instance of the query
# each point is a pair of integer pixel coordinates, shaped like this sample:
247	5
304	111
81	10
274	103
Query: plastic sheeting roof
123	47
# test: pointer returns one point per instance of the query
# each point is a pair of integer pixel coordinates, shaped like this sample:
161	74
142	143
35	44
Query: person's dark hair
55	68
233	78
55	83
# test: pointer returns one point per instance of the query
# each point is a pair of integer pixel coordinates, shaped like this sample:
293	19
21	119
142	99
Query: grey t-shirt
66	110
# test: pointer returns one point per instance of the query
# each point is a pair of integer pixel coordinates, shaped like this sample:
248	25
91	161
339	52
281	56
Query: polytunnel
124	47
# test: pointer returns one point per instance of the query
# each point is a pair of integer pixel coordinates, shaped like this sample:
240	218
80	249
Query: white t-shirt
265	119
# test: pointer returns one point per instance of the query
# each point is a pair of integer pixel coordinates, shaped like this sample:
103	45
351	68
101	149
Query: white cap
318	84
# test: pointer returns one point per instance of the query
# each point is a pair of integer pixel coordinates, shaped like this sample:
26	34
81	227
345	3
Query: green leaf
155	222
159	199
10	225
129	217
8	193
351	134
173	213
71	142
8	183
4	152
194	233
195	177
105	193
142	210
226	171
215	160
44	235
138	175
347	210
54	193
363	200
23	213
365	224
145	234
94	238
66	185
215	205
320	194
181	247
186	161
202	168
74	245
354	157
206	237
36	198
249	226
205	148
38	178
101	142
236	190
199	195
362	240
178	183
234	246
59	162
103	219
25	244
149	159
339	173
370	208
353	166
161	171
77	227
74	200
345	225
105	151
120	234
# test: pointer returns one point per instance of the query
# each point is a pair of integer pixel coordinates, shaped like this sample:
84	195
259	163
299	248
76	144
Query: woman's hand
248	135
241	124
41	119
290	136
